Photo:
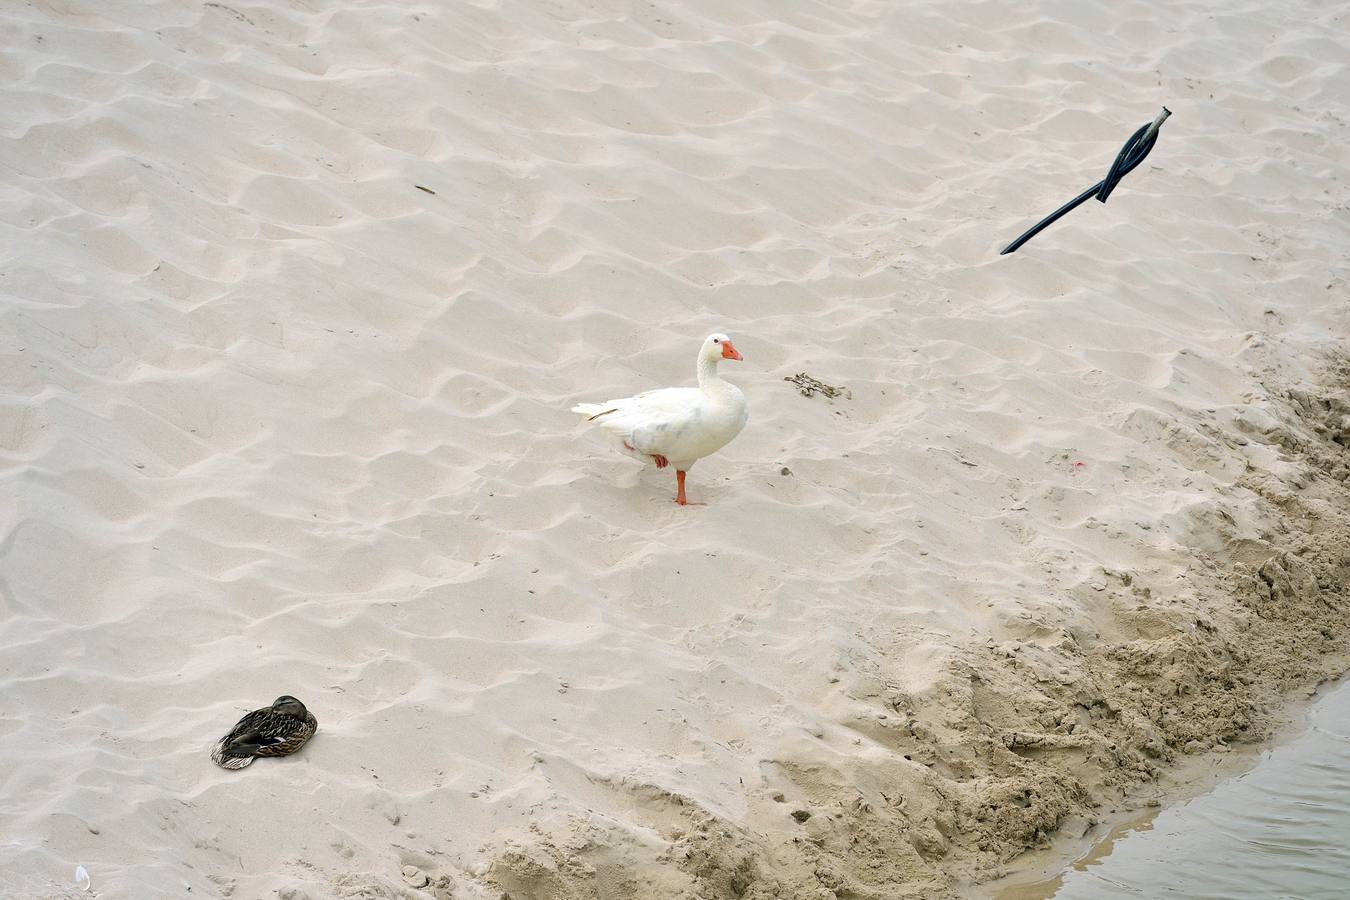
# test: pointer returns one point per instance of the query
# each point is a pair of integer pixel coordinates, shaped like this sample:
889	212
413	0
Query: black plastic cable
1131	155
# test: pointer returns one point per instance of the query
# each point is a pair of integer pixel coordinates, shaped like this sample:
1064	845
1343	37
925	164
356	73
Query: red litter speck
1079	464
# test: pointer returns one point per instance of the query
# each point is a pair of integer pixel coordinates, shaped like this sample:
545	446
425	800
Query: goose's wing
650	410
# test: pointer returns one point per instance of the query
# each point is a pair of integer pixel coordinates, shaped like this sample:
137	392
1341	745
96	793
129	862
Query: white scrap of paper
82	880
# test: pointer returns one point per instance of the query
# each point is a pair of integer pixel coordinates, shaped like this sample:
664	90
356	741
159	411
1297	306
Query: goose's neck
708	379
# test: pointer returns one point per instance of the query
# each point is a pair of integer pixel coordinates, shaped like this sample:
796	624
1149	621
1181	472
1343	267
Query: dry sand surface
275	420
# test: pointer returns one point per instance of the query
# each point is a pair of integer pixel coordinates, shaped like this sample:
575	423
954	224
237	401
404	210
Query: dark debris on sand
809	387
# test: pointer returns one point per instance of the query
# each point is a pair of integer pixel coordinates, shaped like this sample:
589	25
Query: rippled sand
275	420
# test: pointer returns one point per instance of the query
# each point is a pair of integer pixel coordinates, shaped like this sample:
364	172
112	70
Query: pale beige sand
276	421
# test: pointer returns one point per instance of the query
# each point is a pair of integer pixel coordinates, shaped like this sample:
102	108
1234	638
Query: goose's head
718	346
289	706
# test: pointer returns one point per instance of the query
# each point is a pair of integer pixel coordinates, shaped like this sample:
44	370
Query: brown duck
276	730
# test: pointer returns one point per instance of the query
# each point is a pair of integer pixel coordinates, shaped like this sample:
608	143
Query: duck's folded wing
233	751
262	730
252	743
228	762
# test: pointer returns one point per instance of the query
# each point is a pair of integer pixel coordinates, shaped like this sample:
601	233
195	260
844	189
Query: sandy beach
295	298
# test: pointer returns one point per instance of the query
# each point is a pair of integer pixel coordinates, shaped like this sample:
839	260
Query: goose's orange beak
729	351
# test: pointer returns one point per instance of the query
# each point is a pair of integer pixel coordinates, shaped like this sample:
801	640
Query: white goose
678	426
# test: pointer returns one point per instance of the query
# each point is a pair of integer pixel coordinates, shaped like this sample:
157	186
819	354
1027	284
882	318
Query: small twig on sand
809	387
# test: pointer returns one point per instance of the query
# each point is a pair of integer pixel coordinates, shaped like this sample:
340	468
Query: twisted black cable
1130	155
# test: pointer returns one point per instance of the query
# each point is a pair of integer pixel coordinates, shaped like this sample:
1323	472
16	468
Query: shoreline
1081	723
1035	875
1076	728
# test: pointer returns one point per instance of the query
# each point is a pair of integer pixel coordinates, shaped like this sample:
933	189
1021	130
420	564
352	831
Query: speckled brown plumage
276	730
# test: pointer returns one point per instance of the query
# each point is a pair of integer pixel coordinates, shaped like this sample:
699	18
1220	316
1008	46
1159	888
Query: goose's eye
716	341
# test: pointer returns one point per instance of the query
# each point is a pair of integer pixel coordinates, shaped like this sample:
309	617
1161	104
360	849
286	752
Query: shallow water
1282	830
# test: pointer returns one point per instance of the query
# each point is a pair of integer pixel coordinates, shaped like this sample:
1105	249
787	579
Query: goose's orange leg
680	498
661	461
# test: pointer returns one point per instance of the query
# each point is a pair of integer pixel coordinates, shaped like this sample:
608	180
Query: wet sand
1277	830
